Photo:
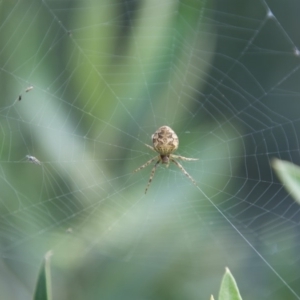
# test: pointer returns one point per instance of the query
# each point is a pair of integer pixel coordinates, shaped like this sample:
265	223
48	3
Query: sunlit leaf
229	289
289	174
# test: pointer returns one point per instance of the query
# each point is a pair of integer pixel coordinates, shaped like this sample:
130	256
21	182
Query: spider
165	141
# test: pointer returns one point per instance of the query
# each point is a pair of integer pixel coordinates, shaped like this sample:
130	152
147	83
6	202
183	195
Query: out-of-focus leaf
289	174
43	289
229	289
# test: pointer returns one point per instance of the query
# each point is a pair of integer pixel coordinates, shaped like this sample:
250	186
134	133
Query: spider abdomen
165	140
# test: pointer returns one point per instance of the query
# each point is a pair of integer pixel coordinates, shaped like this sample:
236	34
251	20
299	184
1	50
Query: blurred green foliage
106	74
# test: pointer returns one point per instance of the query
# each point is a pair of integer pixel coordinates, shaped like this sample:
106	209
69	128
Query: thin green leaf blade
43	289
229	289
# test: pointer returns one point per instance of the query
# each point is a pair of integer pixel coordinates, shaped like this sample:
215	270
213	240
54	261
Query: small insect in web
26	91
165	141
69	230
33	160
29	89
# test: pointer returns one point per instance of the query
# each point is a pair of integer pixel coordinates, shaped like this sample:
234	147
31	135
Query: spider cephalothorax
165	141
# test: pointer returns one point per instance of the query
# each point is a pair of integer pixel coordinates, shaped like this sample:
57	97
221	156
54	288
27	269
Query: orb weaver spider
165	141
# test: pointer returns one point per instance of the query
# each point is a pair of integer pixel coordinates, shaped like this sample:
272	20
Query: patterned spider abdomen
165	140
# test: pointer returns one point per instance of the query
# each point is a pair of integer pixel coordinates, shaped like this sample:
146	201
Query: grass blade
43	289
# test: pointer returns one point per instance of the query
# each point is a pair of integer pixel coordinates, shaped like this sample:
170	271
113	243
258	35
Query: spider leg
184	158
150	147
152	175
146	164
184	171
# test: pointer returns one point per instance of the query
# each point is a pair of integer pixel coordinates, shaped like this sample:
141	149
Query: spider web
84	85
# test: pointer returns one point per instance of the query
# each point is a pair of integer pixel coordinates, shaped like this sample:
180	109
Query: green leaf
229	289
289	175
43	289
